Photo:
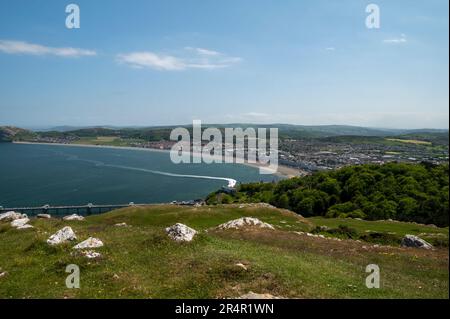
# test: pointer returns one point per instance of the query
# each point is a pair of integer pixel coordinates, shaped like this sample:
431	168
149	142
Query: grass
400	228
385	232
107	141
142	262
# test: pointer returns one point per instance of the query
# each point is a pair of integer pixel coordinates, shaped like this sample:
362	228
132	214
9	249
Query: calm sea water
35	175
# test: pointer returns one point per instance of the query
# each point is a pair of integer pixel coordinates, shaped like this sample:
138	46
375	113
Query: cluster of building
316	155
55	140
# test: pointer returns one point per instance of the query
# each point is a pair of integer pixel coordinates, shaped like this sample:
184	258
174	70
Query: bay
36	175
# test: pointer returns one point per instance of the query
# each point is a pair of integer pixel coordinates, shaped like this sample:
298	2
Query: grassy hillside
142	262
354	134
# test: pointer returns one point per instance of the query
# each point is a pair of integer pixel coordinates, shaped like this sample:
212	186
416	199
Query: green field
107	141
142	262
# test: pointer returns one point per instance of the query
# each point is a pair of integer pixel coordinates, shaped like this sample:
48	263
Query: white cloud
201	51
21	47
330	49
401	39
151	60
197	58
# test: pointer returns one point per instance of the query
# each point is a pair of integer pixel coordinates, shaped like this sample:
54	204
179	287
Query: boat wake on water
231	182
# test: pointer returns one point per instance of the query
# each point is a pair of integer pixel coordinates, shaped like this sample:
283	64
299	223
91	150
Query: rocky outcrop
26	226
20	222
245	222
10	216
61	236
89	243
121	225
242	266
73	217
416	242
180	232
44	216
90	254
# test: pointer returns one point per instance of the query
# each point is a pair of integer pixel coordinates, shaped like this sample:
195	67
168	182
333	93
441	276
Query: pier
88	209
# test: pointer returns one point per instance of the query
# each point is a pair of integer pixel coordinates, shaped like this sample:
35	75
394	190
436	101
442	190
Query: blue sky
171	61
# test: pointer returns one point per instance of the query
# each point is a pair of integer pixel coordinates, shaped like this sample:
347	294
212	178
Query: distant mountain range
323	130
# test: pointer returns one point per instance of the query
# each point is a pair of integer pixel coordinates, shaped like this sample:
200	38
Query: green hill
286	131
140	261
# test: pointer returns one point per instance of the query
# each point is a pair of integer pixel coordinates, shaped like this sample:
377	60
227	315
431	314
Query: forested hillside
405	192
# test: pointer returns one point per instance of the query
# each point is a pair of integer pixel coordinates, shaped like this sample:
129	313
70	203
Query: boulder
245	222
242	266
26	226
121	225
416	242
89	243
10	216
61	236
44	216
20	222
180	232
73	217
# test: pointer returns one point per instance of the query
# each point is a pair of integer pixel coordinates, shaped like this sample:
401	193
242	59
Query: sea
36	175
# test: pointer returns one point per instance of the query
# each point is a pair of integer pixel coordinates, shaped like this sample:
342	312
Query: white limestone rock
73	217
245	222
416	242
10	216
121	225
20	222
180	232
26	226
89	243
242	266
44	216
61	236
90	254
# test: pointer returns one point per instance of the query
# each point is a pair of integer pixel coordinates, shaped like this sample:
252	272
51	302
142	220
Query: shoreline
283	171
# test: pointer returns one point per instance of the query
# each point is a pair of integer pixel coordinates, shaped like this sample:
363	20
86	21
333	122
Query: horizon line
49	127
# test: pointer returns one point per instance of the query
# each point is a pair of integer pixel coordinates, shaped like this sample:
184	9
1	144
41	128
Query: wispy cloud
151	60
400	40
21	47
192	58
201	51
330	49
